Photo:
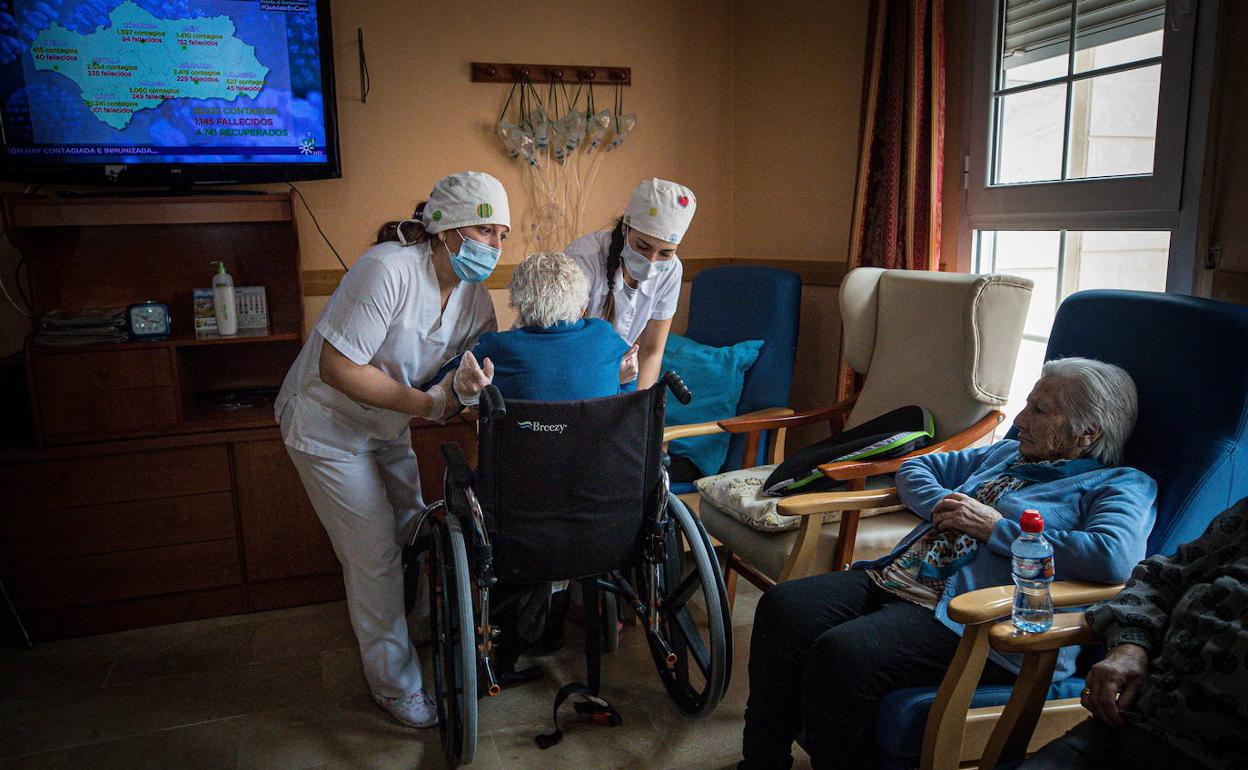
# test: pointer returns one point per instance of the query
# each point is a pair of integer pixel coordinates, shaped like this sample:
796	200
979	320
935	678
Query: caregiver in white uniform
634	273
407	306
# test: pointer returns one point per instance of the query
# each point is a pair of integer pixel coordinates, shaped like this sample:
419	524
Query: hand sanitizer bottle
223	303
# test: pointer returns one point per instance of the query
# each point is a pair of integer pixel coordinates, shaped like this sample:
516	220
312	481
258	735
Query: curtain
896	221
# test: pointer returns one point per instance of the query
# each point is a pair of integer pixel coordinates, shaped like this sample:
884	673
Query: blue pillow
715	376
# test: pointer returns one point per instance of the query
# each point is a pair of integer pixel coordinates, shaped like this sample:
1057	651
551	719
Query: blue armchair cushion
715	376
903	715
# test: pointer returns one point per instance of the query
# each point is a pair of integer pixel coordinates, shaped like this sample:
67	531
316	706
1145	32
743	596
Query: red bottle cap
1032	521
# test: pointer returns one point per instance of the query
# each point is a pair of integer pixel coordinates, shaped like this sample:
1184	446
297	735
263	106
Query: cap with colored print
466	198
661	209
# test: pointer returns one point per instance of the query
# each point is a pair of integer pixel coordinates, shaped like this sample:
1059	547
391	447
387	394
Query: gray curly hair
547	288
1097	394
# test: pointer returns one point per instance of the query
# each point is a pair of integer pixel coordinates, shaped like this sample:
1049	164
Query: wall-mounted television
166	92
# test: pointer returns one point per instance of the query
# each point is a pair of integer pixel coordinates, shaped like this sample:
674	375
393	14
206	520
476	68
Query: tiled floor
284	690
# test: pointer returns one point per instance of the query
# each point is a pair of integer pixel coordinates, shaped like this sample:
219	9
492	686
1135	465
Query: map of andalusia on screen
178	58
221	81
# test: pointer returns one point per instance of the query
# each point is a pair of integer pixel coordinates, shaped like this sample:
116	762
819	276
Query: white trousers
369	504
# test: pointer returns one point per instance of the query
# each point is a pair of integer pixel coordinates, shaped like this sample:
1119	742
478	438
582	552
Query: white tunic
655	299
386	312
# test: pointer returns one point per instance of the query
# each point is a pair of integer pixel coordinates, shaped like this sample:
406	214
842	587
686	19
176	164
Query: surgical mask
640	268
475	260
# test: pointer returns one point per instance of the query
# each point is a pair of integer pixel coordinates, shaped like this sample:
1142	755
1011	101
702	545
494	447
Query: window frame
1142	202
1190	267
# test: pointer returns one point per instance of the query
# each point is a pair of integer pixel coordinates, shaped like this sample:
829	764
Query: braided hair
614	252
413	232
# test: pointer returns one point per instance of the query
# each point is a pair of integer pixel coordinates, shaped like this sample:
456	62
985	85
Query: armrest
1068	628
858	470
756	421
987	604
457	465
673	432
823	502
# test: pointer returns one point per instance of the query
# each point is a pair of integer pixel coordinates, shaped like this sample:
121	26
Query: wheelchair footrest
596	708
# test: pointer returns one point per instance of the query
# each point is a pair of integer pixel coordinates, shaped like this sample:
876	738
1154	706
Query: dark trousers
1094	745
824	651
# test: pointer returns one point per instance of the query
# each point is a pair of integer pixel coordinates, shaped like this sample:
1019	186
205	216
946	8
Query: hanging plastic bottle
599	125
624	124
1033	572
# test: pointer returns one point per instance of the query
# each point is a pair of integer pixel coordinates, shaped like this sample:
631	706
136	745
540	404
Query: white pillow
738	493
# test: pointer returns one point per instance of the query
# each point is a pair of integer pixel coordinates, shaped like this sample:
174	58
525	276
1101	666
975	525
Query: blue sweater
565	362
1098	523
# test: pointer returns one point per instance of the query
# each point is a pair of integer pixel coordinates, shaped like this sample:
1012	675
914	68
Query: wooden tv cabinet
138	503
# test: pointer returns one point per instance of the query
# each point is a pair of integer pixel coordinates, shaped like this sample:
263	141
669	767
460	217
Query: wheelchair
573	490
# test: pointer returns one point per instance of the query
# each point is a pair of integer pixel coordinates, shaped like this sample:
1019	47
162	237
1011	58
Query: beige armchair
946	342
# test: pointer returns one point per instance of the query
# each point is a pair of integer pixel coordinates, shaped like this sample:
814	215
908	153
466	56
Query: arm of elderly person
1113	533
923	481
1140	613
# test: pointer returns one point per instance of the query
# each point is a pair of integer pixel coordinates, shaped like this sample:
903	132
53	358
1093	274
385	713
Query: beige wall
797	80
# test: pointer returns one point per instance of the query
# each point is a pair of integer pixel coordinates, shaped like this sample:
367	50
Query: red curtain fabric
896	222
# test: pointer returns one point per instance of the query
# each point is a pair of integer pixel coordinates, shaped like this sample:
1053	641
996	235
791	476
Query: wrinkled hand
629	366
471	378
1113	683
964	513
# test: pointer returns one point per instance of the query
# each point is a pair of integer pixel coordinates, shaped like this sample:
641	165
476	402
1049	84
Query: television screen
167	91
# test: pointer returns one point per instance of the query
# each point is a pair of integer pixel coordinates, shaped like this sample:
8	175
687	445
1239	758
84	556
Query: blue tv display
167	92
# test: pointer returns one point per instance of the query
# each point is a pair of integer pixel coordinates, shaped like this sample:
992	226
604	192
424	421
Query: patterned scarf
948	552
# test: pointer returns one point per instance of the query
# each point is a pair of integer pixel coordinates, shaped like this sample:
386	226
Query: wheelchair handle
677	386
495	407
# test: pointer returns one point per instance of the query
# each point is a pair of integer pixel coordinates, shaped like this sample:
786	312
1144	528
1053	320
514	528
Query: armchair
944	341
1189	359
740	302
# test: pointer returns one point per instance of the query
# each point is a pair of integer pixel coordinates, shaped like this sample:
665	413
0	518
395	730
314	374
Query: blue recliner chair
1189	359
739	302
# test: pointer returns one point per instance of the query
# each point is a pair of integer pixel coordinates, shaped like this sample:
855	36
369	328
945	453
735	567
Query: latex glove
1113	683
440	394
471	378
628	365
964	513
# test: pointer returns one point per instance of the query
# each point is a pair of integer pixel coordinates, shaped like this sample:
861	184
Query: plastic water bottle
1033	572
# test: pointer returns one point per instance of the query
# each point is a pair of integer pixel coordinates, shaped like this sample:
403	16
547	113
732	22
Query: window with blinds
1041	29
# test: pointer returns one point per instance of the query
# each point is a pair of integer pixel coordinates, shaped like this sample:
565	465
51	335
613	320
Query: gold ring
1086	691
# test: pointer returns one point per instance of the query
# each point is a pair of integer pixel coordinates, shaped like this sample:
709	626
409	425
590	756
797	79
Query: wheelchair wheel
694	617
454	640
611	622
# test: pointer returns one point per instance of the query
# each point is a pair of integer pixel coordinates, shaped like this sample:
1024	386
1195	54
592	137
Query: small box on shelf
253	312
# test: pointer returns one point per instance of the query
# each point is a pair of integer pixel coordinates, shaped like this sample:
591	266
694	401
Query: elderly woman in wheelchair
826	648
599	513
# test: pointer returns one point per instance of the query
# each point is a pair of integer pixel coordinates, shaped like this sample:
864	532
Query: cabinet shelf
186	340
109	252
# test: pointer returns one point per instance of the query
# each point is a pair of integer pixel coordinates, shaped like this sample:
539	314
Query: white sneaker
415	710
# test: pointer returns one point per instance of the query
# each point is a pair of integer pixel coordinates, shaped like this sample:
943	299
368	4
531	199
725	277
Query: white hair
547	288
1096	394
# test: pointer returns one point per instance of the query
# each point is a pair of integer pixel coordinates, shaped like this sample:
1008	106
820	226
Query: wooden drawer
105	413
284	538
114	478
112	576
49	535
111	370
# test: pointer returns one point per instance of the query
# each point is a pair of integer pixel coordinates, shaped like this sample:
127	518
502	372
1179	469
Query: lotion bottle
223	303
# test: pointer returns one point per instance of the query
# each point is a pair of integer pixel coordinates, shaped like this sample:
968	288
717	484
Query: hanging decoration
562	141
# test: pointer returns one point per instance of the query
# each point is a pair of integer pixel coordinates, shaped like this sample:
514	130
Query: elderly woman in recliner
825	649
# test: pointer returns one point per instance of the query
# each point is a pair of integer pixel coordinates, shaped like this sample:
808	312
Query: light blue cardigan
1098	523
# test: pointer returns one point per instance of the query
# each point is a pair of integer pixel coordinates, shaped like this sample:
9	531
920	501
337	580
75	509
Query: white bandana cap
661	209
466	198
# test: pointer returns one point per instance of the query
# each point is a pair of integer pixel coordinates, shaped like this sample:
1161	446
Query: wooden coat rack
497	72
